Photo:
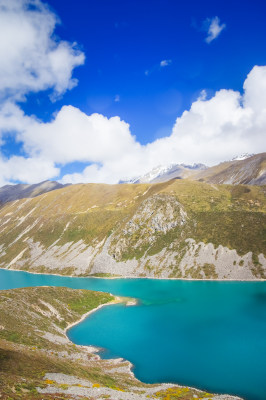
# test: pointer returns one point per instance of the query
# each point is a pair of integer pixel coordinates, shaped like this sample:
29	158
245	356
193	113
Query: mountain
176	229
242	156
243	169
165	173
249	171
21	191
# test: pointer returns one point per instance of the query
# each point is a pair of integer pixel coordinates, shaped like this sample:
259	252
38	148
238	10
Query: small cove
210	335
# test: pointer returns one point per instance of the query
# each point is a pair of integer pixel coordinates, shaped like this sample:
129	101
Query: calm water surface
211	335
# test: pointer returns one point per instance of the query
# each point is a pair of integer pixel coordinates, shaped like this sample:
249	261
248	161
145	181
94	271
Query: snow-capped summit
242	157
164	173
155	173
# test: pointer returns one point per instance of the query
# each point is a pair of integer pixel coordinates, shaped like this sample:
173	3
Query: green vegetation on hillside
141	219
31	322
225	215
47	306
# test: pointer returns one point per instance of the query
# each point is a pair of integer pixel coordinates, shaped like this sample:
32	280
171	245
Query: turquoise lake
210	335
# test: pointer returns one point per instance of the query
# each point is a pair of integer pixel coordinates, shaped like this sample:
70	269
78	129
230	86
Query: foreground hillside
38	362
176	229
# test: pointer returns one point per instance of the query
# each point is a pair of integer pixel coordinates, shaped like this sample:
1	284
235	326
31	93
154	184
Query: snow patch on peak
242	157
164	172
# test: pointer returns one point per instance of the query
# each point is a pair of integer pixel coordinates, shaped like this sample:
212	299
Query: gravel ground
81	387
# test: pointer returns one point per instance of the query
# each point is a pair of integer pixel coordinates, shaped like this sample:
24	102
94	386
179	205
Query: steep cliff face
157	215
177	229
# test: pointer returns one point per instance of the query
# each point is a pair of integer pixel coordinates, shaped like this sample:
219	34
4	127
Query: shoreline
135	277
95	350
128	301
117	300
131	302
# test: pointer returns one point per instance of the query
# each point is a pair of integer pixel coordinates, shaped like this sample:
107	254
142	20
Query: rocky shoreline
135	277
45	310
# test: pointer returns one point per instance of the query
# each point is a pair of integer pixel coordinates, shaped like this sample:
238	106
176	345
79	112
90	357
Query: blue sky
145	62
123	39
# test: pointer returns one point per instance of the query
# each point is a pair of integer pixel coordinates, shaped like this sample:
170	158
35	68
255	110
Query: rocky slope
38	361
177	229
244	169
250	170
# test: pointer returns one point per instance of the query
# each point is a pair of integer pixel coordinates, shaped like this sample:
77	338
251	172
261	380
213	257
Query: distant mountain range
243	169
165	173
248	171
21	191
242	156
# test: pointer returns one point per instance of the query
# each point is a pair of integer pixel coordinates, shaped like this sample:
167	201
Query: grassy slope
70	304
22	367
25	356
233	216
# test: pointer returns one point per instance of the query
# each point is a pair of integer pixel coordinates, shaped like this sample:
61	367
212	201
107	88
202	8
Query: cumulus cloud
32	58
28	170
213	28
255	90
75	136
211	131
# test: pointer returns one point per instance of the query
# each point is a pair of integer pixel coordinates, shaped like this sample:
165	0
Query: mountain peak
163	173
242	157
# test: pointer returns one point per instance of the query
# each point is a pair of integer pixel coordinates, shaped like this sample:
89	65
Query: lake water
210	335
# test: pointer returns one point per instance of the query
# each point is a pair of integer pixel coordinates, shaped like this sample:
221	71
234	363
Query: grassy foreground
36	356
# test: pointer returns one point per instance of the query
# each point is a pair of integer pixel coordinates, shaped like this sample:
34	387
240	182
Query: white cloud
203	95
165	63
117	98
29	170
211	131
32	59
158	67
213	28
255	90
75	136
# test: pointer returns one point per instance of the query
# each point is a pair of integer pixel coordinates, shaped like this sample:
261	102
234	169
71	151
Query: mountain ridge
163	173
176	229
20	191
243	169
248	171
